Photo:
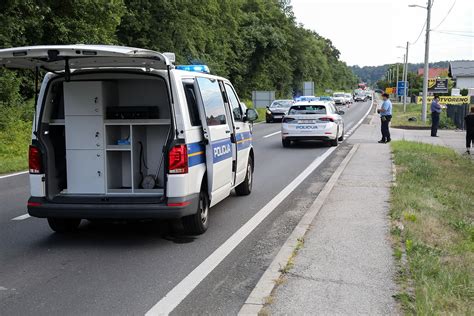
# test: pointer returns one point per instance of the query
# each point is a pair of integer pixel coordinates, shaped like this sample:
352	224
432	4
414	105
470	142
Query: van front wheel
197	224
245	188
64	225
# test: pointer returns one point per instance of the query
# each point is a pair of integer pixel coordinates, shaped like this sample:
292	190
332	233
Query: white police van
121	132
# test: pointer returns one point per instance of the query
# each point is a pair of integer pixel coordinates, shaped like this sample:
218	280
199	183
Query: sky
367	32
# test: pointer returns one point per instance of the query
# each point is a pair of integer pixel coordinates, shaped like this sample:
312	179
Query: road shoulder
344	264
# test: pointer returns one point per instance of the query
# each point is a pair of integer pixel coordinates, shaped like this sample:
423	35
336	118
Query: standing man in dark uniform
435	113
385	112
469	130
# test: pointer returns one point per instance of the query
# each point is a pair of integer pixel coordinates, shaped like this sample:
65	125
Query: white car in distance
349	99
339	98
312	121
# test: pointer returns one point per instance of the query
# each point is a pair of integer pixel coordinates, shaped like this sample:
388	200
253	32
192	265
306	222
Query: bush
15	136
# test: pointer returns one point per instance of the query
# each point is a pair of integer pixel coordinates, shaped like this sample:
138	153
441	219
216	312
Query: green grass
261	111
400	118
15	136
432	211
261	115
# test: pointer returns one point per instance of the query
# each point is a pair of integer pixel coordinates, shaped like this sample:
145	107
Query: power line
456	34
445	16
419	35
456	31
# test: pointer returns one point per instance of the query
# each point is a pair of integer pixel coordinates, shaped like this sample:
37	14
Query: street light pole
426	70
405	78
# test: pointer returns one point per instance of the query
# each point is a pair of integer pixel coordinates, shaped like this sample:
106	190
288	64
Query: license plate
306	121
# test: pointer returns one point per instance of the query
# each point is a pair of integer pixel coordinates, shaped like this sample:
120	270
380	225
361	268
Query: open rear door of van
217	135
65	57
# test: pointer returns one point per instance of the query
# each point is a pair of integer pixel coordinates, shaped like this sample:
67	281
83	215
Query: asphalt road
126	268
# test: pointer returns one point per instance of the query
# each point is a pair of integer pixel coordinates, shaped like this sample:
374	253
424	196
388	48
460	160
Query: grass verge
432	211
400	118
15	136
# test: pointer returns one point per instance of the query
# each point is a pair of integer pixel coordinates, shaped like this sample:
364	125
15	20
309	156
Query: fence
457	114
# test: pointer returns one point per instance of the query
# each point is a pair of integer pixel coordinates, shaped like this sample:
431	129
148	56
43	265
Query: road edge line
183	288
356	126
265	286
13	174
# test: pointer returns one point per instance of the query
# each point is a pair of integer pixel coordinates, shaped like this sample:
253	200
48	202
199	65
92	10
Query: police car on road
121	132
313	121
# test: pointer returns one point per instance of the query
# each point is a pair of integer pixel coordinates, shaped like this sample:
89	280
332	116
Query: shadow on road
110	234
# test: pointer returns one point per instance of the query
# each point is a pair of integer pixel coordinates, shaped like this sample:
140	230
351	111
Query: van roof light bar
195	68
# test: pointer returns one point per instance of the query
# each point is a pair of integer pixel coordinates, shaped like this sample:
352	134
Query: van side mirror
251	115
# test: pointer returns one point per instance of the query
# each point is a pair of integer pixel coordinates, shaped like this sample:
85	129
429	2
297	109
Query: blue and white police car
313	121
123	133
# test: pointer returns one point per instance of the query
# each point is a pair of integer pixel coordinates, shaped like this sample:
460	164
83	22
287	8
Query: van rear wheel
64	225
245	188
197	224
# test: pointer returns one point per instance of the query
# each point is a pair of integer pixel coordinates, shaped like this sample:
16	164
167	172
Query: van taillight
34	160
178	160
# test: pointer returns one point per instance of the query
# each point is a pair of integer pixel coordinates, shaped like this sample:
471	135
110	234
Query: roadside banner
390	90
446	100
438	85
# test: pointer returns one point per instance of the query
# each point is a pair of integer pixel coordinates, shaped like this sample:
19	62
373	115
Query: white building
463	73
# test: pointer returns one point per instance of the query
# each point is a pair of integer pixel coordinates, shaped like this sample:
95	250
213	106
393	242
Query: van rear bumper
173	208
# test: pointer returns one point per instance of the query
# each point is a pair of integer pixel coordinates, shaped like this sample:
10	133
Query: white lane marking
21	217
361	120
13	174
174	297
272	134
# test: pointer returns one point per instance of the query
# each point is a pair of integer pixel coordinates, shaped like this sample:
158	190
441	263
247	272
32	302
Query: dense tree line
257	44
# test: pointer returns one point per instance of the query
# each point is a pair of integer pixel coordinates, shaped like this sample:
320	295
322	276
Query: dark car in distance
277	110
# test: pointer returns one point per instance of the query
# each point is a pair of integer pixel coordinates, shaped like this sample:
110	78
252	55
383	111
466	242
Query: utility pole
397	73
404	69
405	78
426	70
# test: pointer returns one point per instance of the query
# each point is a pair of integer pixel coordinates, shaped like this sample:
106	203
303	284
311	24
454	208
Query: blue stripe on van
244	140
196	154
221	150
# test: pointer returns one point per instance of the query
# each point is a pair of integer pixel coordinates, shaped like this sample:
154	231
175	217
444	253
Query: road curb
257	298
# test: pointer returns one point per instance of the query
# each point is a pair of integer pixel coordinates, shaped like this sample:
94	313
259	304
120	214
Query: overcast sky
366	32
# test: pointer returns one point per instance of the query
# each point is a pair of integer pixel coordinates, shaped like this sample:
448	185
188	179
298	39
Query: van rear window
307	109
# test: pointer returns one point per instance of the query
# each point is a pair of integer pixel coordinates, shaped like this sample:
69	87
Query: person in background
435	113
469	119
385	112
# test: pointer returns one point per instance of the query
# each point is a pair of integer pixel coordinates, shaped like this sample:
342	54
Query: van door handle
237	127
227	132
